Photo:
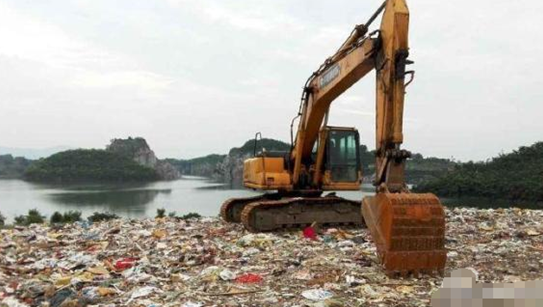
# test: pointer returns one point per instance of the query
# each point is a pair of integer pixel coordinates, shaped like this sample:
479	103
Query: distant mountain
32	153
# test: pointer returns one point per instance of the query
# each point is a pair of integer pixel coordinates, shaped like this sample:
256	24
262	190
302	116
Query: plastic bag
125	263
310	233
249	278
317	294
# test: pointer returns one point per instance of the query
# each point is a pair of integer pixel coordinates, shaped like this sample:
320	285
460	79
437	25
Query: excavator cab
342	169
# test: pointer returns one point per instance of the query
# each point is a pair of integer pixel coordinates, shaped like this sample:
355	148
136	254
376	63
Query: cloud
113	80
183	71
262	17
32	39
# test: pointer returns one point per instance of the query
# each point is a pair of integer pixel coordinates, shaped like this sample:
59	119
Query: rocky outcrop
138	150
166	171
230	170
202	166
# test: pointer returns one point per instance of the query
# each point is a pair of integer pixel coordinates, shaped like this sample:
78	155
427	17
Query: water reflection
132	200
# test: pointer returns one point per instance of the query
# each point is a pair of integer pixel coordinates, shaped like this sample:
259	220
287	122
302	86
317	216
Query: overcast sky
198	77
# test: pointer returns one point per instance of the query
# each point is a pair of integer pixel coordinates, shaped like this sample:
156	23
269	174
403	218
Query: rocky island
123	160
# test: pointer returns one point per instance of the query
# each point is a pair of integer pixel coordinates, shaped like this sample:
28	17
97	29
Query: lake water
190	194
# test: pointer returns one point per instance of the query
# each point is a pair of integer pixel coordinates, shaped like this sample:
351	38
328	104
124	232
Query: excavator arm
353	61
324	88
408	228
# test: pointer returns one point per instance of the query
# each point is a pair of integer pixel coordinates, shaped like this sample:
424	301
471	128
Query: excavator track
409	232
298	212
231	208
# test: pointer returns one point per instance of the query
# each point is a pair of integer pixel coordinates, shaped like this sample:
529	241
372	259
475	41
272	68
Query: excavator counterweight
408	228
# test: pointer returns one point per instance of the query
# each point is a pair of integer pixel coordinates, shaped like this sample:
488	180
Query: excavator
408	228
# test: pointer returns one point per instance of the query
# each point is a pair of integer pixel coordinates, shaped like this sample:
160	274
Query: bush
57	218
172	214
190	215
102	216
68	217
2	220
72	216
160	213
33	217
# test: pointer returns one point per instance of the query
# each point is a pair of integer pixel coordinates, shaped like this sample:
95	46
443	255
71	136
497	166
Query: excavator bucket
409	232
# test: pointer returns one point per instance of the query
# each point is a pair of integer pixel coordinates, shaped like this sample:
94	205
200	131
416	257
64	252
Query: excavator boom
408	229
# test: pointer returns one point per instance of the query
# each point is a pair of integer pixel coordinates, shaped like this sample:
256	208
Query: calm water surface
190	194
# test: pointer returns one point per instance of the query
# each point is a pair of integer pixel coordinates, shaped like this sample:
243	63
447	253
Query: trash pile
206	262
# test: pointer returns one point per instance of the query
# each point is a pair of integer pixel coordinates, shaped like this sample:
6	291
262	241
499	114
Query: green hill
13	167
88	165
515	176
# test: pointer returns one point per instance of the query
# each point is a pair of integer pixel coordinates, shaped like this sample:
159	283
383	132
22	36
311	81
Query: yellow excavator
407	228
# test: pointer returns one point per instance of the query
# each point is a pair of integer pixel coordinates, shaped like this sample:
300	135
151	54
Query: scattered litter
317	294
125	263
248	278
205	262
310	233
227	275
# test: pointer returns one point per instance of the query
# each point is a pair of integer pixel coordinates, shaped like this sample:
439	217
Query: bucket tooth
408	230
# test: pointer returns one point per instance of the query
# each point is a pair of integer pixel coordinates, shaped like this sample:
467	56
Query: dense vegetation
515	176
367	159
11	167
88	165
417	169
420	169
